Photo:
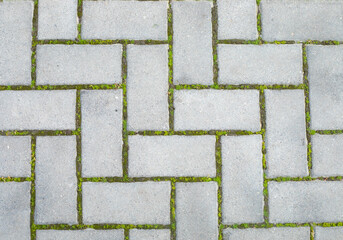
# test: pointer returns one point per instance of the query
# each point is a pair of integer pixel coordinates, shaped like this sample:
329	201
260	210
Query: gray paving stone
305	201
37	110
15	42
328	233
196	211
242	183
286	142
147	87
301	20
151	156
280	233
327	152
15	210
217	110
154	234
192	43
57	19
124	20
325	75
88	234
101	134
237	19
15	156
126	203
78	64
56	181
260	64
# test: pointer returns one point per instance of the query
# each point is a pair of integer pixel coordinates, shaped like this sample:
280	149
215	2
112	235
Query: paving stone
217	110
88	234
15	210
279	233
179	156
57	19
37	110
305	201
286	142
301	20
147	87
192	43
154	234
326	155
56	181
325	75
15	156
126	203
260	64
242	183
237	19
78	64
101	134
15	42
196	211
328	233
124	20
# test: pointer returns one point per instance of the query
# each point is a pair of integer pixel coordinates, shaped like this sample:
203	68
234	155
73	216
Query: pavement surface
171	120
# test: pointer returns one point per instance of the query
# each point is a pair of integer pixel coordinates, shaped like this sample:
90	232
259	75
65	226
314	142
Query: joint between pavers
238	87
104	226
126	234
78	157
125	146
307	178
170	67
194	133
262	103
99	41
307	109
148	179
261	41
79	18
33	193
40	132
215	41
218	156
172	211
34	44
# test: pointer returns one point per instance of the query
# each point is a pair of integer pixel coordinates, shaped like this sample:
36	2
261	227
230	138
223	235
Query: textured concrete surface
171	120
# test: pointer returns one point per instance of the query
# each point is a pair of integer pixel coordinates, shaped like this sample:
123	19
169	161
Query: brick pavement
171	120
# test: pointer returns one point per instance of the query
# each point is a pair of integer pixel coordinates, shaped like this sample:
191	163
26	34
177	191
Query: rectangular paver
126	203
192	42
325	75
242	183
280	233
56	181
78	64
196	211
260	64
57	19
15	42
101	134
327	152
328	233
15	156
15	210
37	110
88	234
305	201
217	110
172	156
301	20
124	20
286	141
147	87
237	19
150	234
